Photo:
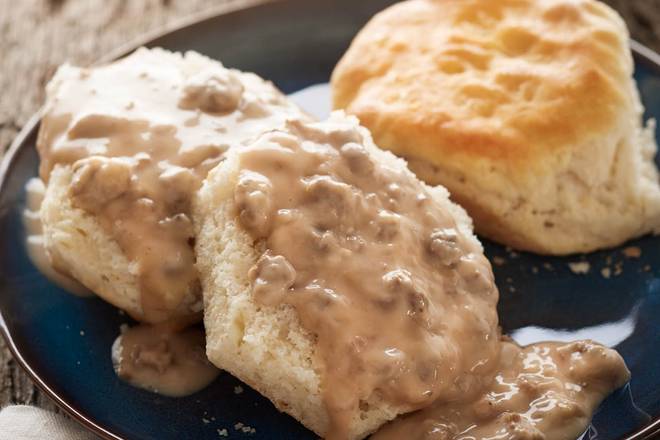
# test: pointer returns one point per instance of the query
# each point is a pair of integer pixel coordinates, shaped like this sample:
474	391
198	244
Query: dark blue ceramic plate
64	341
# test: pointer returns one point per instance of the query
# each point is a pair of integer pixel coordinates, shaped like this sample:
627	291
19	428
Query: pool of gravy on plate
166	358
401	303
546	391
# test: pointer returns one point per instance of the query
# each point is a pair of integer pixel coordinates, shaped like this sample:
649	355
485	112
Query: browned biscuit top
508	81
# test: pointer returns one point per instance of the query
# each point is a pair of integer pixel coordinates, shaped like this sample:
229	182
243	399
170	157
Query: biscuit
108	115
526	110
266	346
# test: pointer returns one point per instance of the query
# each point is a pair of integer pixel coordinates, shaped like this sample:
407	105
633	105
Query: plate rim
639	52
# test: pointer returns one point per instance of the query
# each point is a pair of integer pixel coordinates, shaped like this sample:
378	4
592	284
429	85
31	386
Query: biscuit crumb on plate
580	267
499	261
632	252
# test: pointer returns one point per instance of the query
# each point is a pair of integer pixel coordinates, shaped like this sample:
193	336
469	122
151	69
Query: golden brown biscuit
525	110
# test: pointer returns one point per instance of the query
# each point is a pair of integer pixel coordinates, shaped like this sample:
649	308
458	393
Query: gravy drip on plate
164	359
401	303
34	243
546	391
140	135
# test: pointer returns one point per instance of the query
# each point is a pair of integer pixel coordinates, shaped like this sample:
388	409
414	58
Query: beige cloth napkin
30	423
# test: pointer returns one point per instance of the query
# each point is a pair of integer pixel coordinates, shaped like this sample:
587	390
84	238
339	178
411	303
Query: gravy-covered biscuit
339	285
123	148
349	292
526	110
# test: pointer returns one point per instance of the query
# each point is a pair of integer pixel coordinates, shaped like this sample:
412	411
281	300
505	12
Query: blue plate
64	341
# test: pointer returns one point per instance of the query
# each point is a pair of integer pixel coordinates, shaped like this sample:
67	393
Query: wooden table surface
38	35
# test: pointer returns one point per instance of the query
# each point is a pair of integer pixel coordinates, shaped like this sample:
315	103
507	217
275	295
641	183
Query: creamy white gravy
401	303
545	391
140	134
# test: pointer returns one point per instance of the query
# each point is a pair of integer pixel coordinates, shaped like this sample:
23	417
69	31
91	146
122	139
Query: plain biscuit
526	110
267	347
